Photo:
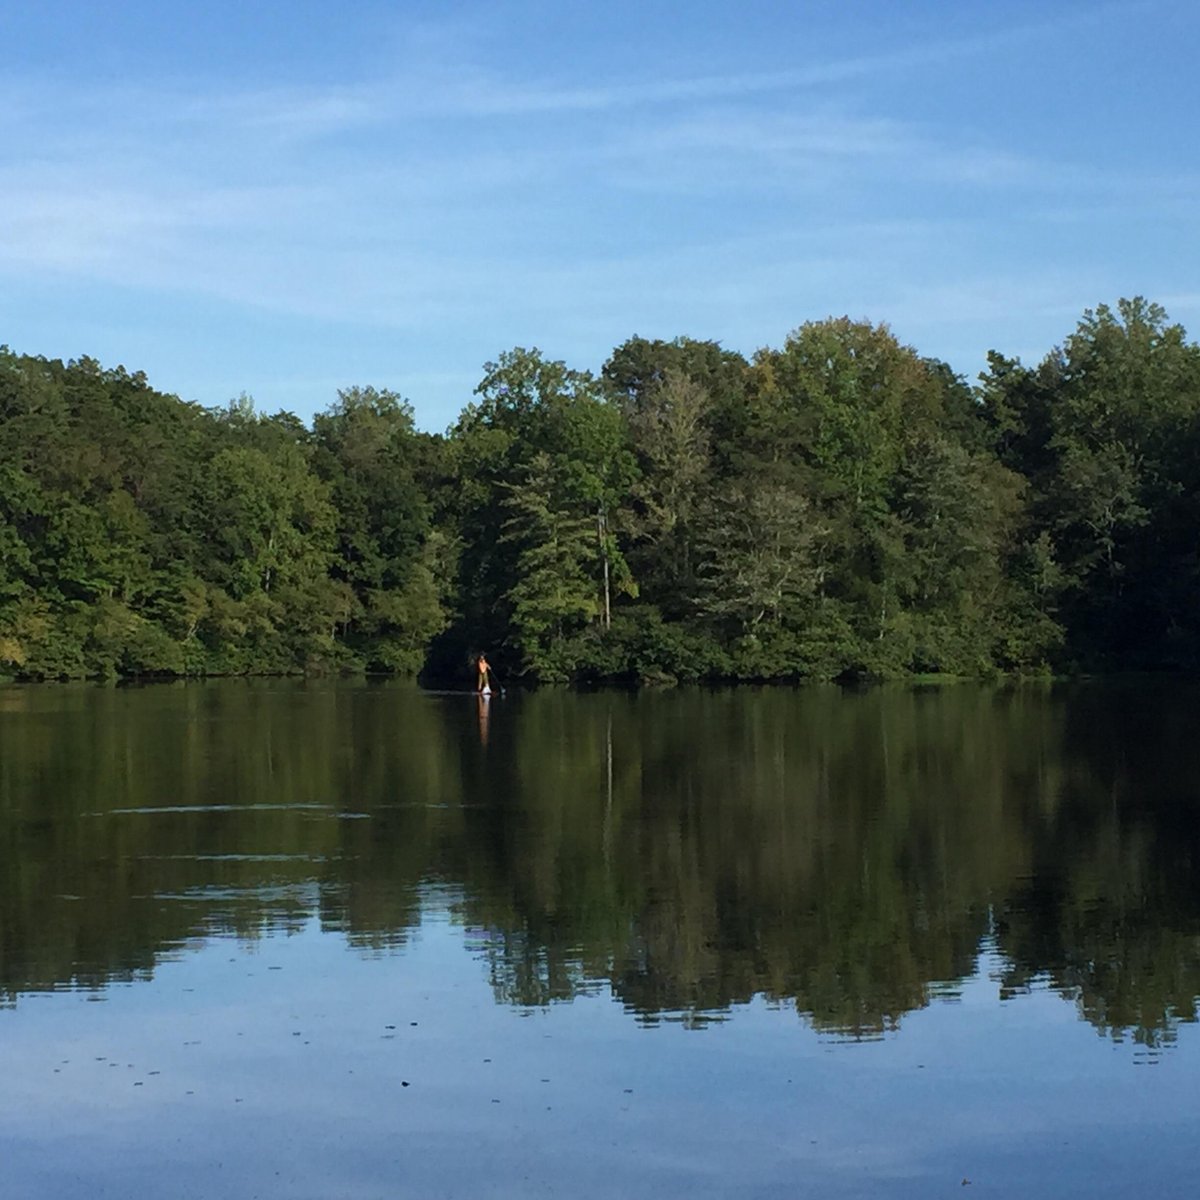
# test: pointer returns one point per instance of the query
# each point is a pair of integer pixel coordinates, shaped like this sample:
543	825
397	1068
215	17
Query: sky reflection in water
757	945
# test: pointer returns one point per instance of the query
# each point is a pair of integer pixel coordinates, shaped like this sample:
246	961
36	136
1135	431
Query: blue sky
287	198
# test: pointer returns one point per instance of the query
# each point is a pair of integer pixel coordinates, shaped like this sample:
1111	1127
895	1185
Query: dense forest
839	507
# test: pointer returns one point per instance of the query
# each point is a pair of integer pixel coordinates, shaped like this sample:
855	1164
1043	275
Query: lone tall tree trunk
602	535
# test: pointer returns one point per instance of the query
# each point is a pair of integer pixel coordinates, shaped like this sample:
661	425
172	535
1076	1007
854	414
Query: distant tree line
838	507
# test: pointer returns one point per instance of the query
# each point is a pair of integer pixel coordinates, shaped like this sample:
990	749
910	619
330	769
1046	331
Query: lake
325	939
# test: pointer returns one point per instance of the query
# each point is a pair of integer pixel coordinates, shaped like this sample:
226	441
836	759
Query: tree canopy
838	507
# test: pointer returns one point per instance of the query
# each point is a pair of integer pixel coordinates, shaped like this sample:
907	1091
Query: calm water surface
349	940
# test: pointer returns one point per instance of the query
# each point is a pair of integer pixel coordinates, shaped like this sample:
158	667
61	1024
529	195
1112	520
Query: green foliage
553	594
1106	432
389	559
839	507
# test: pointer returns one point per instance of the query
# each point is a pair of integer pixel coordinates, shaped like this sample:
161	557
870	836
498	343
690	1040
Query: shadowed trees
837	507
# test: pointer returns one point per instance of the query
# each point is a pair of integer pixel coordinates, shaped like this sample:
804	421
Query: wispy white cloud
450	195
442	235
458	88
287	114
730	150
438	73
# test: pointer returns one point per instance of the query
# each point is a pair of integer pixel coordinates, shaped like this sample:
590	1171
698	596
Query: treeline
838	507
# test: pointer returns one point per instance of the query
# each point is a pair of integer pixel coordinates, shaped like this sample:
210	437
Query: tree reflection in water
845	853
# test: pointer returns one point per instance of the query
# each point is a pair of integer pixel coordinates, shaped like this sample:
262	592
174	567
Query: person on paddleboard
481	664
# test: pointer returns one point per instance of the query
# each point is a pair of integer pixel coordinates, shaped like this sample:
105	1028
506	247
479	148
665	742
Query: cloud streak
446	200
